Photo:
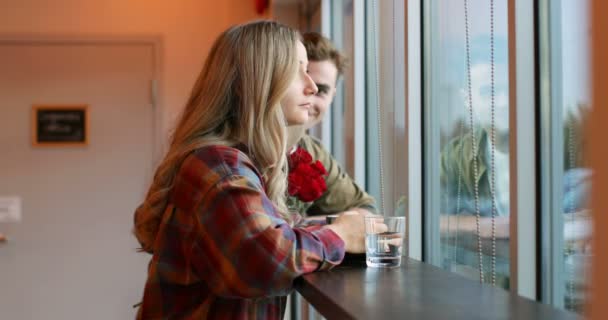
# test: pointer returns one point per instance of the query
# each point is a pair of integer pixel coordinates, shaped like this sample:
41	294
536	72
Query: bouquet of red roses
306	179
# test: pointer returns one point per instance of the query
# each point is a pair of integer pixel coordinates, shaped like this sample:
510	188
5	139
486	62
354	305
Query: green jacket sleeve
342	192
457	159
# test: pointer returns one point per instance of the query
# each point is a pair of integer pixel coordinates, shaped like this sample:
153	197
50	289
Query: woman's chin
297	121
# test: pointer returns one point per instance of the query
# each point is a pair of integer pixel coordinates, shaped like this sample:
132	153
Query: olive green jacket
457	160
342	192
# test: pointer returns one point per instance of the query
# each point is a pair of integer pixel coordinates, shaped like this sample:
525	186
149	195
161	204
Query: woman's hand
350	226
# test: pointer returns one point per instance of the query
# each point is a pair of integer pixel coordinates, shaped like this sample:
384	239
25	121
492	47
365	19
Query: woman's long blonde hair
236	100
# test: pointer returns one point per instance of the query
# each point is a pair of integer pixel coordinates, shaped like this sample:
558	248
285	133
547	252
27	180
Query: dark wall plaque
60	125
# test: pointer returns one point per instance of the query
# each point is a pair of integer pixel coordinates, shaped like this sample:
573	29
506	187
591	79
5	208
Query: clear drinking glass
384	241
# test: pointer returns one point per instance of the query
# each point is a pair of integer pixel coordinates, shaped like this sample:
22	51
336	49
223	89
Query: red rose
306	179
320	168
293	184
300	155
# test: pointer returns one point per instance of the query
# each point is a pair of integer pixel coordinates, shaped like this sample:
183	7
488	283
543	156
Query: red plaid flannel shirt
223	251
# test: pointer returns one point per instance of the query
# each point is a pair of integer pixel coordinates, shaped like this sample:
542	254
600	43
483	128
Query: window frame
522	124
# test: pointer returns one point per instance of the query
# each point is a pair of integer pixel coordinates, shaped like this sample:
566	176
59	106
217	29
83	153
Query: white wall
188	28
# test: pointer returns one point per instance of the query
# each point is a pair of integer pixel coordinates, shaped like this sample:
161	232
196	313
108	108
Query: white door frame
156	41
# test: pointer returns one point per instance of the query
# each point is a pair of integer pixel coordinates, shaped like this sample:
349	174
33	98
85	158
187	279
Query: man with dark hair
326	65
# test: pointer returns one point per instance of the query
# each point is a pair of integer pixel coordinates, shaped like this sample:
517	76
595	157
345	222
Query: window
466	138
468	147
566	178
342	117
385	105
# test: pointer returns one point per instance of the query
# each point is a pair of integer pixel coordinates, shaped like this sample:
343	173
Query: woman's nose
311	87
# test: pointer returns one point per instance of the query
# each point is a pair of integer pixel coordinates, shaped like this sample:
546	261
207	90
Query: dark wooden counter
414	291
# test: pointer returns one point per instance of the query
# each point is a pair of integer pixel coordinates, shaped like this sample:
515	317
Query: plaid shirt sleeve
242	247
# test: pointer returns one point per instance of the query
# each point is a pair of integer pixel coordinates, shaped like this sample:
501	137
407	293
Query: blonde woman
326	65
215	220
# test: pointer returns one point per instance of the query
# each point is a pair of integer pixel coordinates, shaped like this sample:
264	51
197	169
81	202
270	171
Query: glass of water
384	241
